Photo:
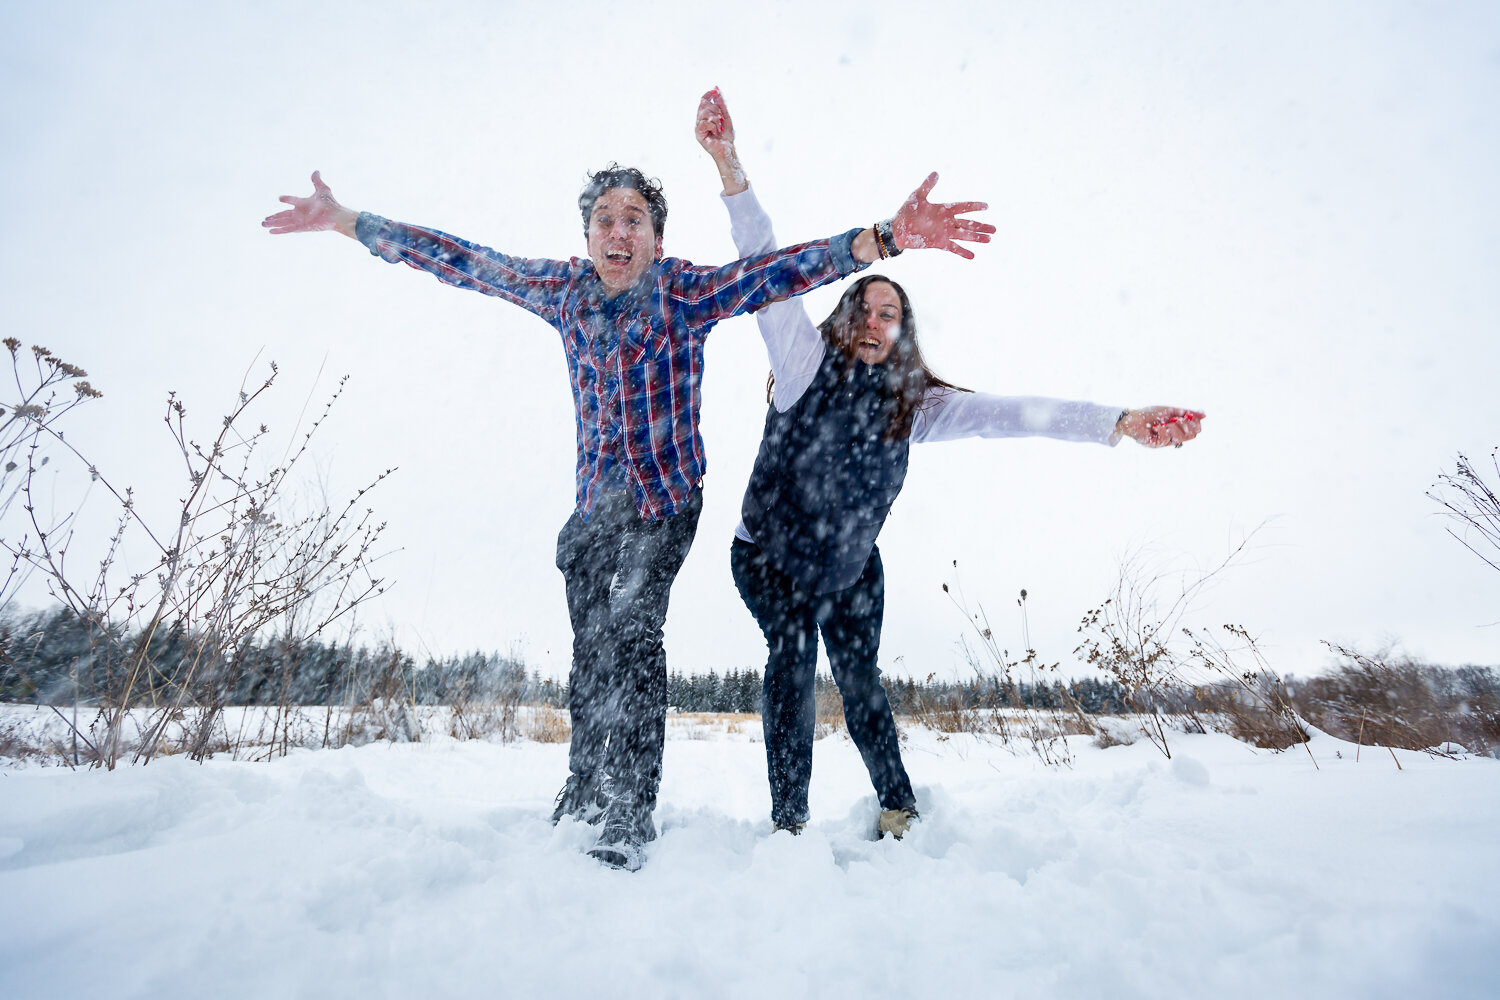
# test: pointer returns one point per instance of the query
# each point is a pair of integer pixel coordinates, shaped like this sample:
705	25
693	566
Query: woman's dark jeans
850	621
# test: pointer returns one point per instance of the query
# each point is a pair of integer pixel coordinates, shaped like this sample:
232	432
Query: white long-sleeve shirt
796	350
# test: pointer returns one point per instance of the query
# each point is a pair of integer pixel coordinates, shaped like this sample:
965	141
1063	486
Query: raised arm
714	130
717	293
918	224
793	344
750	227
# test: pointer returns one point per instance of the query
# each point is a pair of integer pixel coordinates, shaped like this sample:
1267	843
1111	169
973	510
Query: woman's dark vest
826	477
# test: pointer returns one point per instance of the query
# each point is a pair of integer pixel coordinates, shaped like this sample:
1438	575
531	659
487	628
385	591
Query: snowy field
430	870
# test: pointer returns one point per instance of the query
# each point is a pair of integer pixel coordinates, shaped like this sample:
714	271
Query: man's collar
634	295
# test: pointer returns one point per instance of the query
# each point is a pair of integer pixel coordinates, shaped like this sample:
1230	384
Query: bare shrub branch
1044	727
1136	636
239	562
1475	505
1386	699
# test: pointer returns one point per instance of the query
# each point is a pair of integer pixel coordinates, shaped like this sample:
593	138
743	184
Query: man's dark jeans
619	570
850	621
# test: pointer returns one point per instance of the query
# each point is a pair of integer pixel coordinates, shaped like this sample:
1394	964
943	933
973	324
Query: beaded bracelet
885	240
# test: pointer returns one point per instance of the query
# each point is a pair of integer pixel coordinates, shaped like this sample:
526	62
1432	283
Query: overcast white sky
1284	214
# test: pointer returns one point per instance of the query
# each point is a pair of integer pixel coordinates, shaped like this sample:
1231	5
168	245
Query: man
633	324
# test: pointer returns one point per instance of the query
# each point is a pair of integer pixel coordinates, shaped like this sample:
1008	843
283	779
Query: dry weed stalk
1134	637
545	724
473	714
1382	699
957	710
29	420
388	710
1475	505
1039	726
166	644
1258	708
828	702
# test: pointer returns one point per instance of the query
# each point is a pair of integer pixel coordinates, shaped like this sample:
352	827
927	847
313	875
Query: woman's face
877	323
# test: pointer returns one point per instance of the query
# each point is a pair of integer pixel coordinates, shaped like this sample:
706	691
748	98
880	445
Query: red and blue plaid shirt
636	365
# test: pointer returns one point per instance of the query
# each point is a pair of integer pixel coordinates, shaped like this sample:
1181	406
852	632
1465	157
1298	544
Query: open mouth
870	342
618	256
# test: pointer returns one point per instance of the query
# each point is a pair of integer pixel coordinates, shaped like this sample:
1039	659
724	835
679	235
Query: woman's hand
921	223
1159	426
714	130
310	215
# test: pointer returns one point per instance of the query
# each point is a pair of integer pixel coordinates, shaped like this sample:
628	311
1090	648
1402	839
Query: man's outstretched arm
746	285
918	224
921	224
531	284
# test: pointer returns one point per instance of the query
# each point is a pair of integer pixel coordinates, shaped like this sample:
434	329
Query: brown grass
830	711
546	725
1385	700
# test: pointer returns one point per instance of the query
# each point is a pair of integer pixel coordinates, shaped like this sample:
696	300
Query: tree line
55	657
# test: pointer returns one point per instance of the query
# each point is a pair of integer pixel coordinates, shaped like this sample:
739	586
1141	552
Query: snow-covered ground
430	870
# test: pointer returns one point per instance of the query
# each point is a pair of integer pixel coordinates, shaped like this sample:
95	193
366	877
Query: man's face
877	323
622	241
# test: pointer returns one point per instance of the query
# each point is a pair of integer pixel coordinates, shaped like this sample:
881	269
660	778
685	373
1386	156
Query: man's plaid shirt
636	379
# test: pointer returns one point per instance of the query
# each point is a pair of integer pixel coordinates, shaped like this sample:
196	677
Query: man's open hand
309	215
936	225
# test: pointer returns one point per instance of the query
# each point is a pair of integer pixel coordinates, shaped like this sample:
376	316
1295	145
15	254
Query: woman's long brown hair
908	378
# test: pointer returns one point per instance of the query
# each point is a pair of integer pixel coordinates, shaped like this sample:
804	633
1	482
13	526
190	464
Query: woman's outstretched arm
949	415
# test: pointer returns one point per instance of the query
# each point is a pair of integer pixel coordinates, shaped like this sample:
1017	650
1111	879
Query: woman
848	398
